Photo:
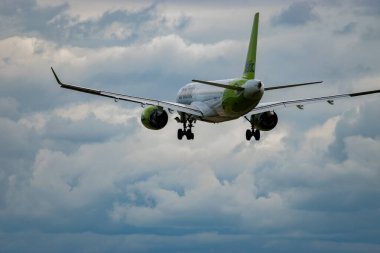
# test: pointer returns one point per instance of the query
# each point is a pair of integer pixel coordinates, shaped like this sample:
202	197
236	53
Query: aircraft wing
188	109
301	102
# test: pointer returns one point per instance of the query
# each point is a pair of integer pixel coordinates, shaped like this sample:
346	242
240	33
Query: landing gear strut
187	125
252	132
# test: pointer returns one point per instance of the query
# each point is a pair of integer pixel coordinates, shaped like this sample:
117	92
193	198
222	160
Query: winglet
56	77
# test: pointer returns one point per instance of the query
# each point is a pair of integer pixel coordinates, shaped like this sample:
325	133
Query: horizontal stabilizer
291	85
226	86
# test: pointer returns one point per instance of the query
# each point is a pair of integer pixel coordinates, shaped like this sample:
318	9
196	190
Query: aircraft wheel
189	135
256	134
180	134
248	135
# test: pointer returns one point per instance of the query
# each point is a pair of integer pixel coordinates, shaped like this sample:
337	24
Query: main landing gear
252	132
186	131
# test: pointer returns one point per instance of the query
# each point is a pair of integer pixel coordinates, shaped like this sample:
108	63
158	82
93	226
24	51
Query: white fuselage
219	104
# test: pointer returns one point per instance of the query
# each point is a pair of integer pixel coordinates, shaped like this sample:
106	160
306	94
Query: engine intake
154	118
265	121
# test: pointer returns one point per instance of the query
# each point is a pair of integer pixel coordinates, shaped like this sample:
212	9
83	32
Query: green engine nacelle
265	121
154	118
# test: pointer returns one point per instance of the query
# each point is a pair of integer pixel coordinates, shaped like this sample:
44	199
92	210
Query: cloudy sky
81	174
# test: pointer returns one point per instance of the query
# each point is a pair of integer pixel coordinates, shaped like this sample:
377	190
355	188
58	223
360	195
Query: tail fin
250	64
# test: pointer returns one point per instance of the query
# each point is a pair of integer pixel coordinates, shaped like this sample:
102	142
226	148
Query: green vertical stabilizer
250	64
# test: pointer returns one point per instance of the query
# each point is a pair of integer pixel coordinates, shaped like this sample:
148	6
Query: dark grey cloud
371	33
119	27
24	136
347	29
367	7
298	13
90	242
208	242
364	123
17	151
22	17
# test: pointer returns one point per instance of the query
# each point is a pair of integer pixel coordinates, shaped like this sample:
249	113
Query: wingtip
56	77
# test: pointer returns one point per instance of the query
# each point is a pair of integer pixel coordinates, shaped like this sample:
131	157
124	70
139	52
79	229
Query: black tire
256	134
179	134
189	135
248	135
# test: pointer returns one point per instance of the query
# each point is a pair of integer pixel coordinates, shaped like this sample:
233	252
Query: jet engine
154	118
265	121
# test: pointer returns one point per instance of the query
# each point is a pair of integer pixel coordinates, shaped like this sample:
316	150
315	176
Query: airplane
219	101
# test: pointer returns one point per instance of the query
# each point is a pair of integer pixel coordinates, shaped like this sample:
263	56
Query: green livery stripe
250	63
234	102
